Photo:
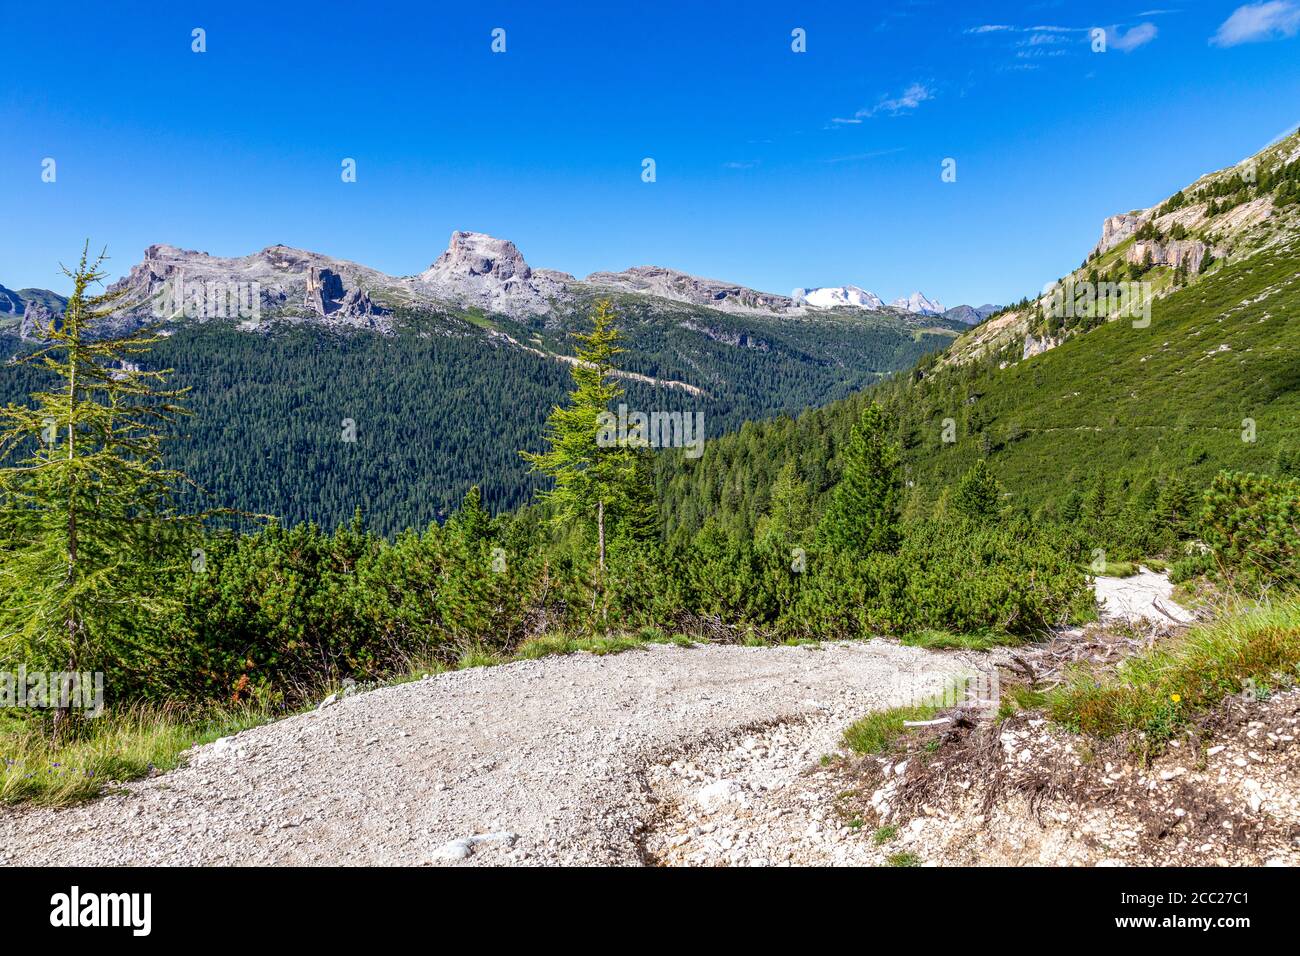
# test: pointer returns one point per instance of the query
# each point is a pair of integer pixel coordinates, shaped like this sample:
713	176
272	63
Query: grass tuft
938	640
112	748
876	733
1160	690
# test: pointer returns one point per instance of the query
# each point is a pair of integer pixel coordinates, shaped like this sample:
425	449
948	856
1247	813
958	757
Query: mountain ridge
476	271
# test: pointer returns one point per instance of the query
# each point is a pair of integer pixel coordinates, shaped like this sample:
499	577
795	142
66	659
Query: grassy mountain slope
1230	215
1129	403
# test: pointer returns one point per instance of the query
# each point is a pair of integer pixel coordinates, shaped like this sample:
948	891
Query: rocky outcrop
279	282
488	273
324	290
1116	229
36	321
692	290
30	311
918	304
327	296
1188	253
1035	346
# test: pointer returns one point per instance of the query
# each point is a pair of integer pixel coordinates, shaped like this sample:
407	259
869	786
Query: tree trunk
600	574
600	535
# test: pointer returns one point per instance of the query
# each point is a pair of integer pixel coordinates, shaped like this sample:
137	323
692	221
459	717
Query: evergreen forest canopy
442	406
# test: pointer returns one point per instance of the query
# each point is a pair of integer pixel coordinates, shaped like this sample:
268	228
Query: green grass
548	645
1119	569
1157	692
903	859
110	748
877	732
884	834
478	657
937	640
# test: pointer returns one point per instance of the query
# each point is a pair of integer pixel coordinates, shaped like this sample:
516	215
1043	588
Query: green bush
1252	523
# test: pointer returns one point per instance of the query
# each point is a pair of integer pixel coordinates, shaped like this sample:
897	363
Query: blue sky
775	169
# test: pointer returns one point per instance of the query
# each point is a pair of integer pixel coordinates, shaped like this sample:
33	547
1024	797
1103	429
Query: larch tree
593	476
92	539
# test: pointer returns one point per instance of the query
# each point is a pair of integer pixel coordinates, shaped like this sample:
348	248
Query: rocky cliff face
693	290
278	282
1188	253
1115	229
491	274
30	311
327	296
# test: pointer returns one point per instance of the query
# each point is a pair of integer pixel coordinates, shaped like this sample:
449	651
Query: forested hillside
449	399
1213	383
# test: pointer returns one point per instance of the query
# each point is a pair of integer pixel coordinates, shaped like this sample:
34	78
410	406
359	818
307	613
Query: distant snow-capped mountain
830	297
918	304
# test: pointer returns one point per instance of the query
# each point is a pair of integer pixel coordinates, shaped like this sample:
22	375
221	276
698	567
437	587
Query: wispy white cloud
1126	41
740	164
990	28
909	99
857	157
1255	22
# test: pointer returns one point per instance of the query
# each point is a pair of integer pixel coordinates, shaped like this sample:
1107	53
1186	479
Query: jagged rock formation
693	290
476	271
918	304
277	282
37	318
481	271
1188	253
29	311
326	296
1115	229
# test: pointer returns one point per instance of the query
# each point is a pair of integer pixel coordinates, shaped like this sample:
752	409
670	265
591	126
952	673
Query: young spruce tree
863	514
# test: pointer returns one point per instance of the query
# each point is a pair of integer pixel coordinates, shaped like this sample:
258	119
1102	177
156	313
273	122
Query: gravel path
1145	596
535	762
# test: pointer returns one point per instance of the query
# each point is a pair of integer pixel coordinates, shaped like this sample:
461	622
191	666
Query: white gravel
1145	596
536	762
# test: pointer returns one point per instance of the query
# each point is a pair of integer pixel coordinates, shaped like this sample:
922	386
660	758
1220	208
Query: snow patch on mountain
918	304
830	297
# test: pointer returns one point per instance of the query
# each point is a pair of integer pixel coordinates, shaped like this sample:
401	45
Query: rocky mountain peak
489	273
918	304
472	255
